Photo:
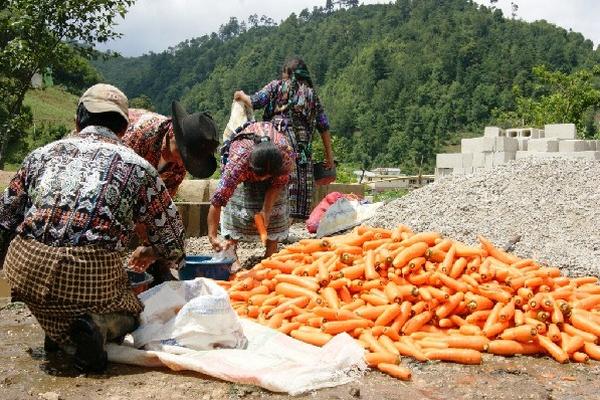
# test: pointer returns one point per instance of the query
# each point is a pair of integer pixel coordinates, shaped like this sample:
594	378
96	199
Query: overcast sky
154	25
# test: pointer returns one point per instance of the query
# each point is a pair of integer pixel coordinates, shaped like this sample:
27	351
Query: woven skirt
237	218
59	284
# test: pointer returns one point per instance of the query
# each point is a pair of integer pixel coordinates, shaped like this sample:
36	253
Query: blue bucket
202	266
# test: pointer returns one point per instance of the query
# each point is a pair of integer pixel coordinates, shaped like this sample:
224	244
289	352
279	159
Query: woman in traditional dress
292	105
256	164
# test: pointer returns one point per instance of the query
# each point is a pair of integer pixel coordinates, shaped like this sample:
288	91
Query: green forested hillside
398	81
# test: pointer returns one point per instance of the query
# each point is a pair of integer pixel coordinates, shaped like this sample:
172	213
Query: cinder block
488	160
593	145
467	160
462	171
530	133
502	157
478	145
442	172
506	144
512	133
569	146
478	160
449	160
560	131
543	145
585	155
523	144
493	131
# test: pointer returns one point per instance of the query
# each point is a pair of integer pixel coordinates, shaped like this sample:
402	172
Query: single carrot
574	344
374	345
580	357
314	338
388	315
494	329
335	327
304	282
288	327
553	333
511	348
410	350
579	321
396	371
496	253
415	250
416	322
478	343
331	297
462	356
458	267
388	343
372	359
471	330
523	333
451	282
290	290
298	302
592	350
554	350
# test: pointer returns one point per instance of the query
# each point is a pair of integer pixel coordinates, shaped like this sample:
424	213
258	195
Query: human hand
243	97
141	258
329	163
220	245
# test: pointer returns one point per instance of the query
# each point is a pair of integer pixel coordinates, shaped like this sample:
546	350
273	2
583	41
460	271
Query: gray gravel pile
548	210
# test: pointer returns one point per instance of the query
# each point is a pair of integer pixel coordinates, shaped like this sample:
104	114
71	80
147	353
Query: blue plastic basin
201	266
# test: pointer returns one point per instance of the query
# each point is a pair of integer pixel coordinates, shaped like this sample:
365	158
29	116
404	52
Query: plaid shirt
237	169
145	136
90	189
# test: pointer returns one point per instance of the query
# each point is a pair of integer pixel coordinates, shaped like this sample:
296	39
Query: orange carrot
396	371
259	221
478	343
592	350
555	351
410	350
373	359
415	250
511	348
553	333
523	333
389	314
288	327
416	322
335	327
496	253
388	343
445	309
331	297
315	338
579	321
462	356
298	281
290	290
580	357
573	331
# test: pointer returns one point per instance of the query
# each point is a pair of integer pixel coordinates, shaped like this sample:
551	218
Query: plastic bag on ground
345	214
271	359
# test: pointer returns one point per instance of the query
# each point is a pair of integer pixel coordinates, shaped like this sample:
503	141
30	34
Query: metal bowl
202	266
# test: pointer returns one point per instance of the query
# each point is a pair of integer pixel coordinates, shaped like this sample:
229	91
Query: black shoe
50	346
90	355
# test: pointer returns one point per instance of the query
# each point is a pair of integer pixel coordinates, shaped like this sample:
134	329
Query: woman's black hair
266	159
111	120
296	69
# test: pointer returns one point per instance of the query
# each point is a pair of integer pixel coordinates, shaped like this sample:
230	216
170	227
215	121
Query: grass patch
390	195
52	106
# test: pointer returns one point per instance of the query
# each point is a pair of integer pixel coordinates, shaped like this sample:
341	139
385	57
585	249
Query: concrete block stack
498	146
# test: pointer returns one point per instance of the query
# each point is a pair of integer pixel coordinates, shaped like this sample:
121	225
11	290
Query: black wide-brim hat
197	138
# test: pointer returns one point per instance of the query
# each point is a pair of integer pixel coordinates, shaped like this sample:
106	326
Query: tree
565	98
142	101
329	6
34	36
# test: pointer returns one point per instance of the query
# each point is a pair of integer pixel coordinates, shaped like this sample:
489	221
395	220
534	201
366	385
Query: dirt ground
26	372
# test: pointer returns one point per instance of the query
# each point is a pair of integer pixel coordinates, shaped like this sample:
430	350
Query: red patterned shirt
237	169
145	136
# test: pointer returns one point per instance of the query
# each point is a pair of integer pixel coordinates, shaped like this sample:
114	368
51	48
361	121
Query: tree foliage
558	97
34	35
398	81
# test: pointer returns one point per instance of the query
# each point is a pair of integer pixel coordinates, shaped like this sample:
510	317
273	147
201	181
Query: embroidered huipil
237	169
306	108
90	189
145	135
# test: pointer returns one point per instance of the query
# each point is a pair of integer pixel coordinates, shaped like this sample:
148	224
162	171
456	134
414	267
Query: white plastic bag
271	359
193	314
345	214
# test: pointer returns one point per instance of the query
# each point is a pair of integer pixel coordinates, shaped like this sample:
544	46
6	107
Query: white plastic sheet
345	214
262	356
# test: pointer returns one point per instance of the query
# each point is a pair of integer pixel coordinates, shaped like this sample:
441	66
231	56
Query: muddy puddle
26	372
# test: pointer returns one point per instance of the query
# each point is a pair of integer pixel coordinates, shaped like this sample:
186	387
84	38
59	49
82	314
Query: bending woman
293	106
256	165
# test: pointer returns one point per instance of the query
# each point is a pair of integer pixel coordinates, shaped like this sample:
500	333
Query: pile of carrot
420	295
